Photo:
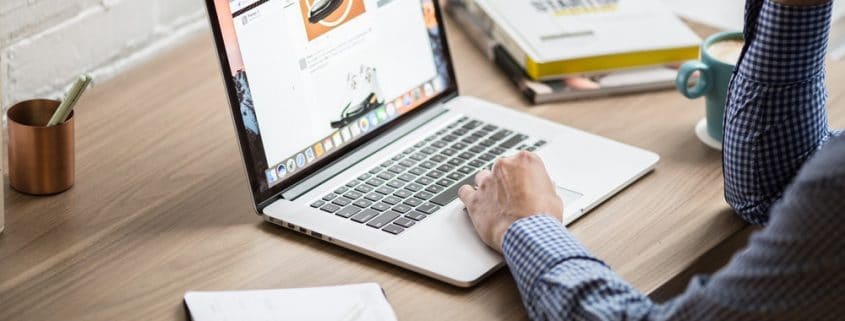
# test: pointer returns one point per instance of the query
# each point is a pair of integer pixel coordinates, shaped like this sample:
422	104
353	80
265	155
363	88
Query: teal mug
714	79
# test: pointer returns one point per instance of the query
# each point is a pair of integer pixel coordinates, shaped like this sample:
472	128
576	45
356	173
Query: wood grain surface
161	204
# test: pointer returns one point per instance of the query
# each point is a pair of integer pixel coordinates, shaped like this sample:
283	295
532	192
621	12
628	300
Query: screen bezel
254	177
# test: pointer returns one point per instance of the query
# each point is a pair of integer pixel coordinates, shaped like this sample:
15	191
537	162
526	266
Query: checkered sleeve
776	115
560	280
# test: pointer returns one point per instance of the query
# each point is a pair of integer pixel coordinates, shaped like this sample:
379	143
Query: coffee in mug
719	56
727	51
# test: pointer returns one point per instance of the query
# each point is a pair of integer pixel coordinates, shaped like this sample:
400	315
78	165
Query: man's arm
776	114
792	270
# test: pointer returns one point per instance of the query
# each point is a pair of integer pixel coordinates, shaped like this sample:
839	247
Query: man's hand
518	187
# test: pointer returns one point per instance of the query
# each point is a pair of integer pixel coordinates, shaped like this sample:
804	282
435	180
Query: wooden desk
161	205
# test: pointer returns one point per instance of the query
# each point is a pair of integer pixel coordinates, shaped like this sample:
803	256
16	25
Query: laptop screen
314	77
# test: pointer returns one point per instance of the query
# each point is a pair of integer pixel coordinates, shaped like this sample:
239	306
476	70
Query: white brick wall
45	44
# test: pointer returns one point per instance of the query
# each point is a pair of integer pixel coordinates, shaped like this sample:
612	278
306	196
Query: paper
722	14
339	303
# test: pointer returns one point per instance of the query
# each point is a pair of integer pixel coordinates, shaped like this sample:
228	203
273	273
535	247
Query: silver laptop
353	132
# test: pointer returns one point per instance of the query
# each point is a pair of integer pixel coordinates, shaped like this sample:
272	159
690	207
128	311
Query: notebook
336	303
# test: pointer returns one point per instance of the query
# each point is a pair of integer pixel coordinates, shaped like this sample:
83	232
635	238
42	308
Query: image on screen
312	76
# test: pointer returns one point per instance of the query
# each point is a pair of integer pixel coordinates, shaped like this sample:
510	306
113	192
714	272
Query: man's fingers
465	194
482	178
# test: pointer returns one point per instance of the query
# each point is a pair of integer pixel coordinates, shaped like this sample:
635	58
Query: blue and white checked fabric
780	162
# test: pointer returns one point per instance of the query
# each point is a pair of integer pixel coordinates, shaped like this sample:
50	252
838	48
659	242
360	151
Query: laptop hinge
360	154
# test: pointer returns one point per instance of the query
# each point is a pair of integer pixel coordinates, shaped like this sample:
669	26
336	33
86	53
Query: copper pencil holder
41	158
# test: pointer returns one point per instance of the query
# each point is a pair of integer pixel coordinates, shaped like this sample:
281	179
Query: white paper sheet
356	302
722	14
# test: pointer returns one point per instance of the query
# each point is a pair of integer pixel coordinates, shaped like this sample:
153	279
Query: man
783	168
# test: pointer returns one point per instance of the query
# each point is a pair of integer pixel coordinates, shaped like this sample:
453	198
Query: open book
337	303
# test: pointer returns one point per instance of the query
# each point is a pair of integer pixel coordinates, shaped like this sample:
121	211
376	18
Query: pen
70	100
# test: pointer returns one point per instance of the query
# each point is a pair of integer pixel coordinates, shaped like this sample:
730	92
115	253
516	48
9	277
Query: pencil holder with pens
41	157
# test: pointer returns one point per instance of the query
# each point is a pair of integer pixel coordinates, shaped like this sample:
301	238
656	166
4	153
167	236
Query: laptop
352	131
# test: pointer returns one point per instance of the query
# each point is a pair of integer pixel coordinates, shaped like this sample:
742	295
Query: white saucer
704	137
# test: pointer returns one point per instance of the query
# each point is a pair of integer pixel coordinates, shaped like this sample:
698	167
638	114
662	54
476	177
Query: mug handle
701	87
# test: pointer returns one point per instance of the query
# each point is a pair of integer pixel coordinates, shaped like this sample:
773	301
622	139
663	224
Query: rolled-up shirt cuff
786	44
534	245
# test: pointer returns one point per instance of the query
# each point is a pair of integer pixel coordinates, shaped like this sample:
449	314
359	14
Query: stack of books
563	50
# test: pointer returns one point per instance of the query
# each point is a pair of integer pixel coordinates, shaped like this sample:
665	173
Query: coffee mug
714	79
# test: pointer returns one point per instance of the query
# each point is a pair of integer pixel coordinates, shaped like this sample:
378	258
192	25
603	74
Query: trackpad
568	196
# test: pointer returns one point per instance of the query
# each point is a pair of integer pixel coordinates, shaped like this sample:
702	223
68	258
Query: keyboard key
429	150
490	128
424	195
459	146
476	163
448	152
466	170
469	140
397	158
416	216
397	169
513	141
385	190
353	195
318	203
439	144
449	195
414	187
417	171
375	182
363	203
392	200
428	208
487	157
353	183
419	156
393	229
329	197
472	124
408	151
428	164
467	155
477	149
445	168
434	189
402	193
341	201
365	216
501	135
386	176
381	207
407	177
374	197
480	134
456	176
438	158
445	182
456	161
383	219
402	208
412	202
540	143
450	138
487	143
387	163
396	184
407	163
341	190
424	181
363	189
498	151
460	132
404	222
364	177
420	144
330	208
435	174
348	211
375	171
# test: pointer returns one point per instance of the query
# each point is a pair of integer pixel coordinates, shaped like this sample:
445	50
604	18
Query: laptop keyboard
417	182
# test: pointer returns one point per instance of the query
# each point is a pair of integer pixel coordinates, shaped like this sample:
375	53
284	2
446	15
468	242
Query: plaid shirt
775	126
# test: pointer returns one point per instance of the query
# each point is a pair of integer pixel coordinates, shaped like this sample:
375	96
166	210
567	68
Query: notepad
355	302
